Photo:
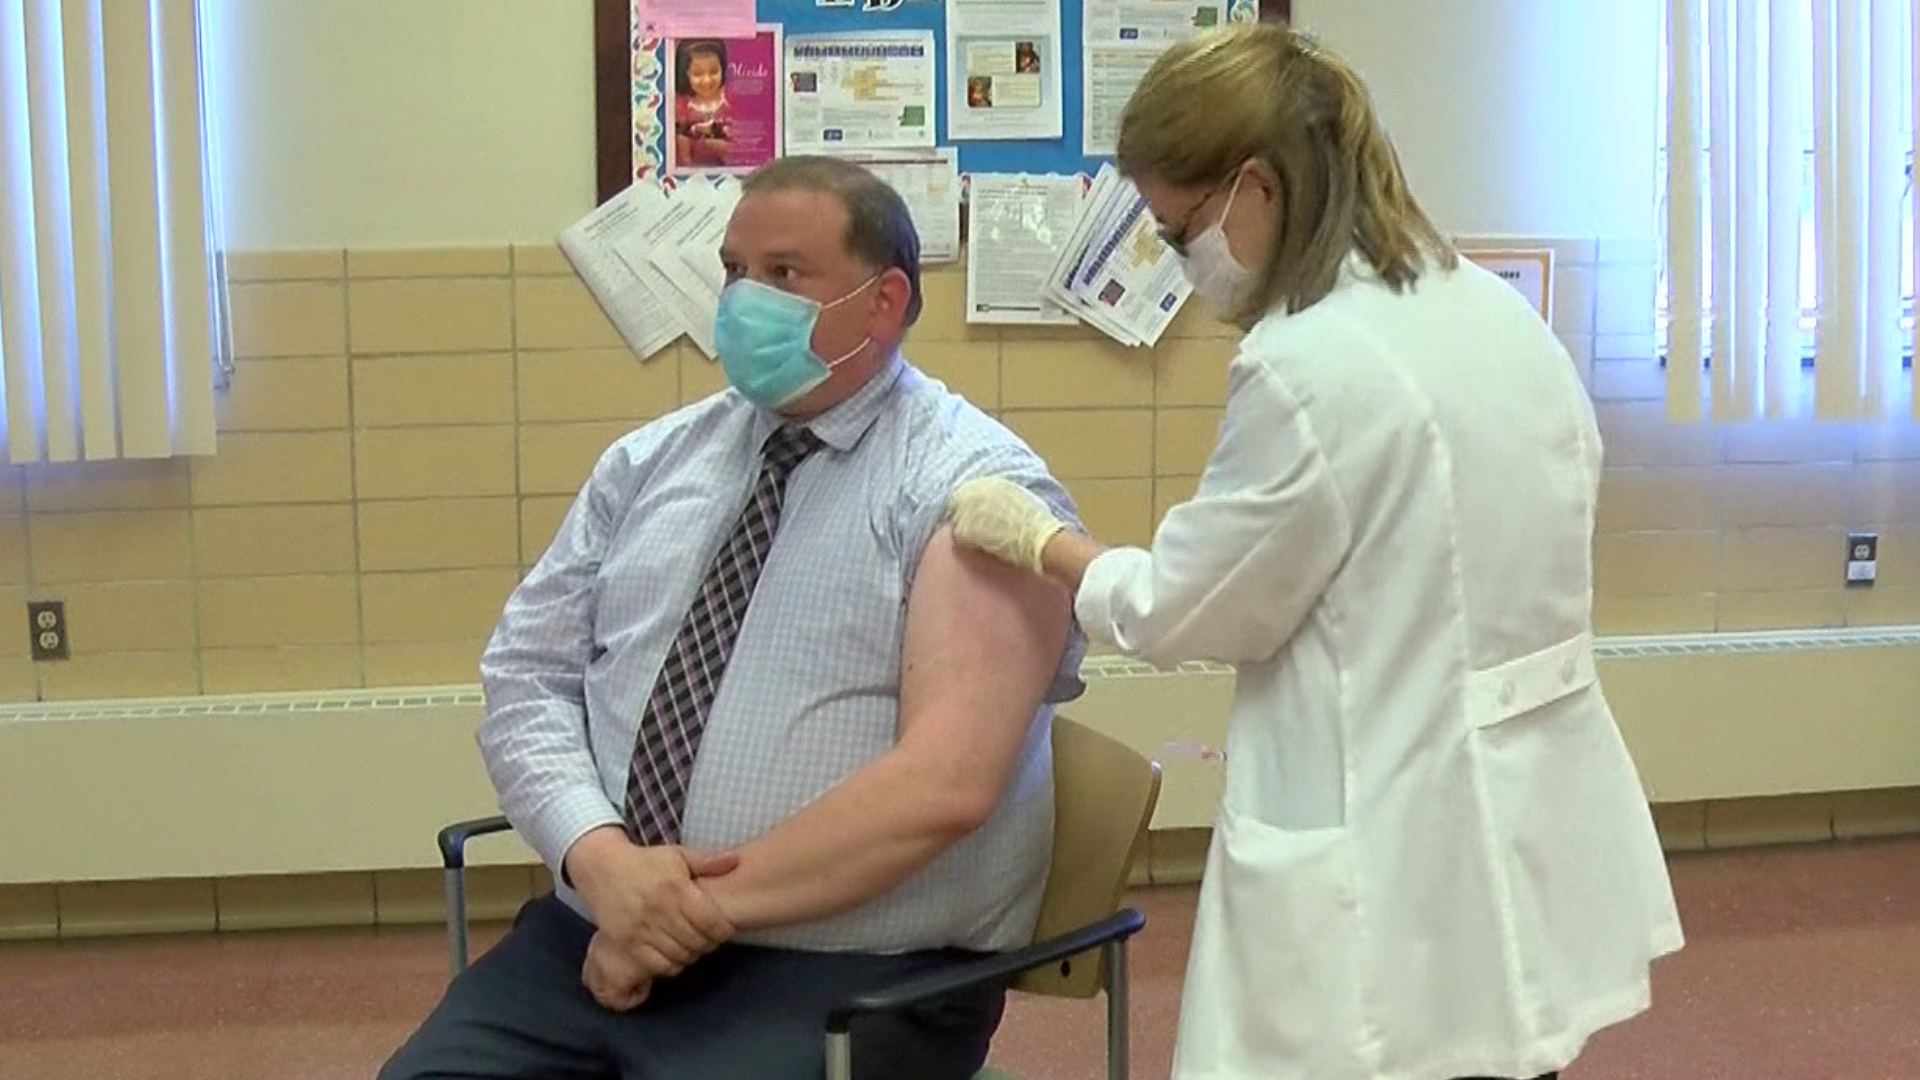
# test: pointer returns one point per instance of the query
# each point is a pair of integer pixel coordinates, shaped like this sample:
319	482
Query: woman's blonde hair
1263	91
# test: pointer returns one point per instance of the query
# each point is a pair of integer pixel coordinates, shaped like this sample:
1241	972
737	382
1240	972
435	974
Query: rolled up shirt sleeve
992	452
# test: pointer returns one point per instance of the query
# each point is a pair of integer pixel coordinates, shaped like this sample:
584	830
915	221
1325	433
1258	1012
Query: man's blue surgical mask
765	341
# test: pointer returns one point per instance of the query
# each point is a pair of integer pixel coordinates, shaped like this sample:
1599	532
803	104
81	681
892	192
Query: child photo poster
723	103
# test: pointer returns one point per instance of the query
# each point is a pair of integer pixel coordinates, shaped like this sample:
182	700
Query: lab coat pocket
1274	986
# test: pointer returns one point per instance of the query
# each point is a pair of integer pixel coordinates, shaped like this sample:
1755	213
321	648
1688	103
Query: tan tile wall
405	429
1744	527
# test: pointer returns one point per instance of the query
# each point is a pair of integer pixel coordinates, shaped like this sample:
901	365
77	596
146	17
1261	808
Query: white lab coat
1434	857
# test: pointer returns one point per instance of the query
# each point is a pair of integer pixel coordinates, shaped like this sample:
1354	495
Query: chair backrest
1104	795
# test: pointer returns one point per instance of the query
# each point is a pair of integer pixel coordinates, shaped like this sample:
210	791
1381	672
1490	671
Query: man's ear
895	293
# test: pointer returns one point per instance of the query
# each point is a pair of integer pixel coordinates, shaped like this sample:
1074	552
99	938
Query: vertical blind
108	296
1756	89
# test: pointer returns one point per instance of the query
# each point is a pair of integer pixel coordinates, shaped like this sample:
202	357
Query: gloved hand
1003	519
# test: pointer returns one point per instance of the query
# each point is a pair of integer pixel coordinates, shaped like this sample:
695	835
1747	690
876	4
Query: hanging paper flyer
1003	69
646	319
1018	225
929	181
696	222
723	102
860	91
1114	271
1152	24
1123	38
693	18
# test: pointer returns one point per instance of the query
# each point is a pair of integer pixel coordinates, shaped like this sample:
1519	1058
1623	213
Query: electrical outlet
1863	558
47	623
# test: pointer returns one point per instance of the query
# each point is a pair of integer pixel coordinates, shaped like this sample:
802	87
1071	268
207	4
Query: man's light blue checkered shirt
812	691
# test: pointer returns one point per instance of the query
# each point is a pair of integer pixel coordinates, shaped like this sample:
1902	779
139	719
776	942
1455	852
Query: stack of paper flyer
652	260
1115	273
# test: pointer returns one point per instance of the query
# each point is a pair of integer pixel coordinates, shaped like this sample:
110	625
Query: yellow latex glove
1003	519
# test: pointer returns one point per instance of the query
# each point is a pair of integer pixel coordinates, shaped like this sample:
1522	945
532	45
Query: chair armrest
1002	967
453	838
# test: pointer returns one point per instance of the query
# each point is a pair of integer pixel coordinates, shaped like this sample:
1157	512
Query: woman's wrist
1065	558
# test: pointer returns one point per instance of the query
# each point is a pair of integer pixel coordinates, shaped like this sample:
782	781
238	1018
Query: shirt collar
843	426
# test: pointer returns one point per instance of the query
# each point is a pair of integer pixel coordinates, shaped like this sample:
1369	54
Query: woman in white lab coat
1434	858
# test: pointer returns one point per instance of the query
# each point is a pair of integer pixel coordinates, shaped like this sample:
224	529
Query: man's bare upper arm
982	643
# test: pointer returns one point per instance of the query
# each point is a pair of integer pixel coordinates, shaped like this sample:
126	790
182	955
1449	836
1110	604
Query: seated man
779	739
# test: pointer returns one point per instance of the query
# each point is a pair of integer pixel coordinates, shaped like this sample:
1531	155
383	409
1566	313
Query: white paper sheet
1114	271
1153	24
647	320
1018	225
696	216
703	274
1121	40
1003	69
705	265
860	91
930	183
1098	215
700	250
1108	79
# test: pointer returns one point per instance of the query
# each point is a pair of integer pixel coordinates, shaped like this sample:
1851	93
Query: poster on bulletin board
723	102
1003	70
1015	86
855	93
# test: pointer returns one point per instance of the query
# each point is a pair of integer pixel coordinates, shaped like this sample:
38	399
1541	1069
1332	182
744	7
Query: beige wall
348	123
406	428
368	123
1744	527
1512	116
422	383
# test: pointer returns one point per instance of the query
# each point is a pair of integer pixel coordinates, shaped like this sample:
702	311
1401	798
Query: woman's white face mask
1216	276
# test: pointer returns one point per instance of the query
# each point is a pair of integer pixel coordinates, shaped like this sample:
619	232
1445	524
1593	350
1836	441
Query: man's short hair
880	230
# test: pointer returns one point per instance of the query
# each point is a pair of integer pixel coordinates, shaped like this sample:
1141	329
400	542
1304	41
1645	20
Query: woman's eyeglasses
1176	238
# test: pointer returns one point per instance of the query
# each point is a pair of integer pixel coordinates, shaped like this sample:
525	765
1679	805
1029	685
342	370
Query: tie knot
788	447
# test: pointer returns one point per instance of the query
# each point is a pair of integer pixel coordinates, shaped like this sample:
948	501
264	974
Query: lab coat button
1506	694
1568	669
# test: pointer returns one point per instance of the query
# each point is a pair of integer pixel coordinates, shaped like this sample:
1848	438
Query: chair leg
839	1055
1119	1011
456	919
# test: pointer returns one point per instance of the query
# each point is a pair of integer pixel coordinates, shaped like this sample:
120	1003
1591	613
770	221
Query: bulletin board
630	76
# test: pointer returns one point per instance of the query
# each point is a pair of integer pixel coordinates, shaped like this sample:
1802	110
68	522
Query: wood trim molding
612	96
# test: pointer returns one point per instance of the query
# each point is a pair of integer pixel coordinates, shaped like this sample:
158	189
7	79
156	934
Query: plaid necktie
676	712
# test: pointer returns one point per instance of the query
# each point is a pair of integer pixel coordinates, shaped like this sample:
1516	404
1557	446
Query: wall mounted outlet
1863	558
47	622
